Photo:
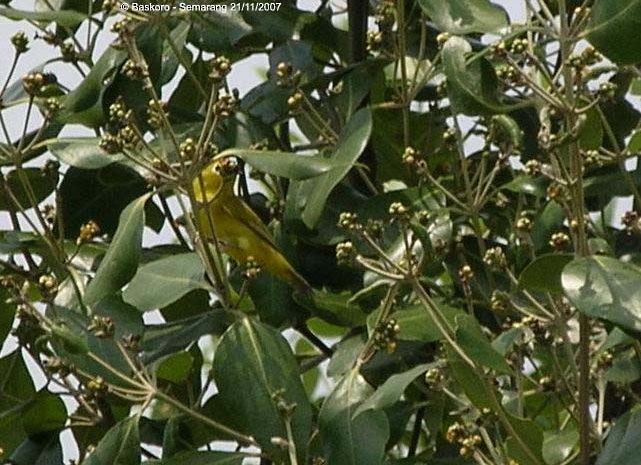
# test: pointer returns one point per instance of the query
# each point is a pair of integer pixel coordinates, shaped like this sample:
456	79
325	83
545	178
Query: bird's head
211	180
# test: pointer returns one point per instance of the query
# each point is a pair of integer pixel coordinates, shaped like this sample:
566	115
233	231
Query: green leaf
528	185
391	390
544	273
527	450
41	183
253	362
7	311
120	446
175	368
314	193
81	152
470	336
83	105
634	146
46	413
465	16
193	457
121	259
162	282
416	324
271	296
603	287
284	164
471	85
345	354
622	446
613	29
16	390
73	342
558	446
38	450
65	18
98	195
348	440
334	308
591	132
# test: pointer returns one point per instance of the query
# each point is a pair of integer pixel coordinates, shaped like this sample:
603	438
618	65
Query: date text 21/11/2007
202	7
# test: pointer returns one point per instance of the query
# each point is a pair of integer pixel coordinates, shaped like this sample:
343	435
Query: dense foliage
460	188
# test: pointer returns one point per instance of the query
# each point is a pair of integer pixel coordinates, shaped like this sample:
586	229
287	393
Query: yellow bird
239	231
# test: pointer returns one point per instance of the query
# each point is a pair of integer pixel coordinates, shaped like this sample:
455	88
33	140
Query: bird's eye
217	169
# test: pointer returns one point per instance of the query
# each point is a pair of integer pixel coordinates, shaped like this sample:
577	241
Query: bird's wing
247	217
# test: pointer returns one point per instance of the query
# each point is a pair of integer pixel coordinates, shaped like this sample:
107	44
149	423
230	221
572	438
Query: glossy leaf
613	27
159	283
314	193
465	16
121	259
470	336
81	152
391	391
250	350
471	85
544	273
285	164
606	288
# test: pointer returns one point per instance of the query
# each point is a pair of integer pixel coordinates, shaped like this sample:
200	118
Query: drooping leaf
465	16
121	259
612	29
606	288
469	335
159	283
254	365
343	436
